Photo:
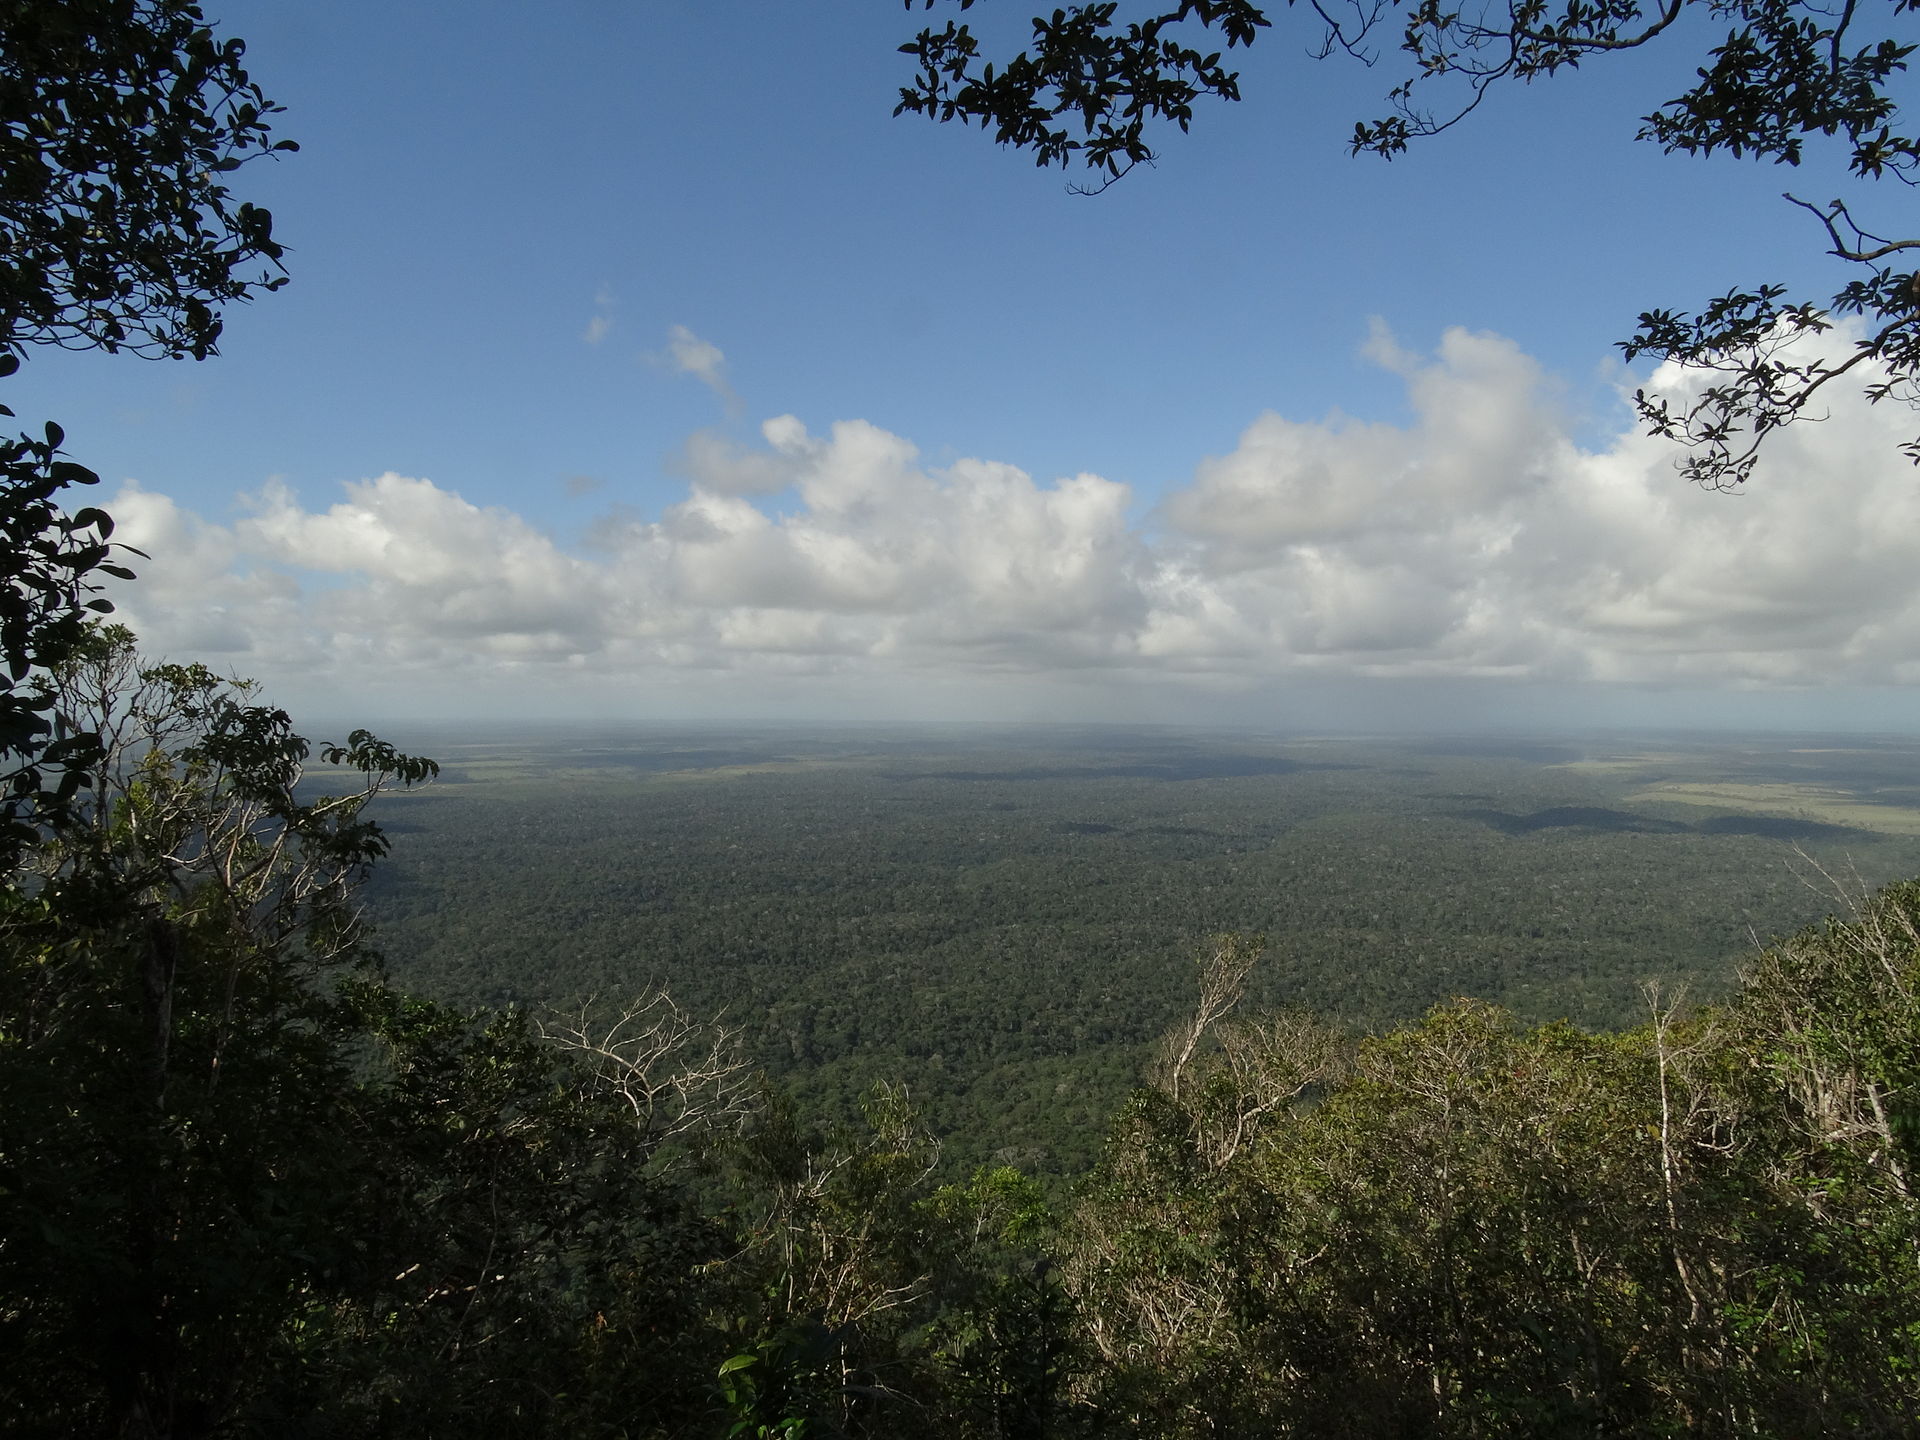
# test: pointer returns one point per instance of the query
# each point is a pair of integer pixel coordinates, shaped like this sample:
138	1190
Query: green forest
1004	920
799	1083
961	1178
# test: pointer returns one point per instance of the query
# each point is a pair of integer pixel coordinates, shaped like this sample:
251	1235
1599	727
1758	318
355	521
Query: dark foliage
1096	78
120	121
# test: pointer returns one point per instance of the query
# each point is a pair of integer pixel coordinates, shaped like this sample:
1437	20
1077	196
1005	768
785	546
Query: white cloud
688	354
721	465
1476	542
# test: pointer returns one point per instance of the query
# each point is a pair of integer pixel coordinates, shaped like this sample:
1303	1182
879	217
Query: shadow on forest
1529	752
1197	767
1590	817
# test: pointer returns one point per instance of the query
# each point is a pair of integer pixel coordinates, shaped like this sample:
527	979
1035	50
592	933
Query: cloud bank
1476	543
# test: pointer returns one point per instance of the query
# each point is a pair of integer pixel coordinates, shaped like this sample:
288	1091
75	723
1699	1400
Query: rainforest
1355	883
1008	1082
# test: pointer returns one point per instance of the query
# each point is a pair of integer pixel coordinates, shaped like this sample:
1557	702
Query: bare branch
1833	215
677	1075
1223	979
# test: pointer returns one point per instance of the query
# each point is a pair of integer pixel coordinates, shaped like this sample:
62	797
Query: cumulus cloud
1477	541
721	465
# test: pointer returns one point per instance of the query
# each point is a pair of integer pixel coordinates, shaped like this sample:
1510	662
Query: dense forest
253	1185
1004	920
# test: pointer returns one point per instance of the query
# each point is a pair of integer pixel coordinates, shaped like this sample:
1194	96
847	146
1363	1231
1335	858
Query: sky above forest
636	362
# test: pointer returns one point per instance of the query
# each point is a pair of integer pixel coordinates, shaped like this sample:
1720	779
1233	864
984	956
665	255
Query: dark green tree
177	1147
246	1185
1464	1227
120	122
1099	77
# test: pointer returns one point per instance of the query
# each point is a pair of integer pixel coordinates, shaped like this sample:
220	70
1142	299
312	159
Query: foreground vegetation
248	1185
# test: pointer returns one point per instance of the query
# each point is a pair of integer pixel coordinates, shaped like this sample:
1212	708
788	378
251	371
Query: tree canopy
1098	79
119	123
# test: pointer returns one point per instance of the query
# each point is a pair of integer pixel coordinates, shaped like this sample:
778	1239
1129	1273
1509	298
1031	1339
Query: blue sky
591	285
